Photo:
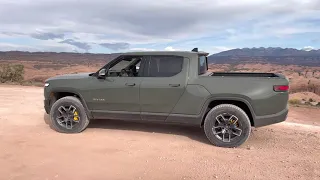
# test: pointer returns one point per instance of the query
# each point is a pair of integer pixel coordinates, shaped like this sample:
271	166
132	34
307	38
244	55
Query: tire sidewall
242	118
67	101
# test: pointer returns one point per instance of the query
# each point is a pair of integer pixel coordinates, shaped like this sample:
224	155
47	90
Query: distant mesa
273	55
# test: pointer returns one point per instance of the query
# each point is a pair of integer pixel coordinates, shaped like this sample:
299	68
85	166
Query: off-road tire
242	118
69	100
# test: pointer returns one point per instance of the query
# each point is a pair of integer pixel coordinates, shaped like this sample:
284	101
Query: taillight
281	88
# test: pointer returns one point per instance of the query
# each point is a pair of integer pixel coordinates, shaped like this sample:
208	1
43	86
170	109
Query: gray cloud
80	45
47	36
168	19
144	20
115	46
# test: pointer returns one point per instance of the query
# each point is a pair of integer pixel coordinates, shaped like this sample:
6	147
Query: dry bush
40	79
49	66
310	87
31	83
11	72
294	101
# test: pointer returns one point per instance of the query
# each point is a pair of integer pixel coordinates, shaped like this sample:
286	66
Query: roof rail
195	50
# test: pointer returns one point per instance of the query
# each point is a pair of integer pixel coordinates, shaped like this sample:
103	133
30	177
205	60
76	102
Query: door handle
130	84
174	85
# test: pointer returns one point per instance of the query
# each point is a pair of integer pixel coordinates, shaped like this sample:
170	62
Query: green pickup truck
169	87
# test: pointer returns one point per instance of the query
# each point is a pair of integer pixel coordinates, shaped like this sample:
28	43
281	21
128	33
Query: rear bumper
271	119
47	106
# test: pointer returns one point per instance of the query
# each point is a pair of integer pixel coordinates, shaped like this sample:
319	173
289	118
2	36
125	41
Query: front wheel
227	125
67	115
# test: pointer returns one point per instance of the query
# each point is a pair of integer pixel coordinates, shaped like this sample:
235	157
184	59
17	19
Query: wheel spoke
224	139
59	119
215	127
72	109
216	132
67	126
61	122
238	131
220	117
61	109
235	119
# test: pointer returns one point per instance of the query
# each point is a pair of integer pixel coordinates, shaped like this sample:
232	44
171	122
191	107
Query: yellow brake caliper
75	116
233	121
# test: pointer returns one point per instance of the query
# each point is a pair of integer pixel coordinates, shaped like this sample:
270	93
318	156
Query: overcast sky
106	26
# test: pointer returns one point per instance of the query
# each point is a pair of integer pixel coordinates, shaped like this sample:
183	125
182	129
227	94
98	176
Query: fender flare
226	97
74	91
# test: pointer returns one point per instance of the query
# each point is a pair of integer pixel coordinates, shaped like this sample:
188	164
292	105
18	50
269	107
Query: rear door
163	83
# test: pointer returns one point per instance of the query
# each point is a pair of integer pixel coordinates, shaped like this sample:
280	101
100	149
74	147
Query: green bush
294	101
11	72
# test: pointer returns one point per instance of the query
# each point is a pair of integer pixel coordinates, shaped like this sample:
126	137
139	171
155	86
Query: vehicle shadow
194	133
191	132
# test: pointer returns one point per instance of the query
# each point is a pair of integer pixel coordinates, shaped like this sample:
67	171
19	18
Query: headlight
46	84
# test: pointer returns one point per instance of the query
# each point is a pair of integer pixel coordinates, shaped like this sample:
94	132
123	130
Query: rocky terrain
124	150
301	67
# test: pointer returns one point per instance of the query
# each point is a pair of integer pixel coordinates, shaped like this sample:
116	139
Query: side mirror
102	73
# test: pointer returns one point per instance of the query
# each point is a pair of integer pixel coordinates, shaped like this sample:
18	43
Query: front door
117	96
162	86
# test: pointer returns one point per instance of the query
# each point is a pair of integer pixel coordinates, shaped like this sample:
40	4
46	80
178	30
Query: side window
164	66
125	62
202	65
126	66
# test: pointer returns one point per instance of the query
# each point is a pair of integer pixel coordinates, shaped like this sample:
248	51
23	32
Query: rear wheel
227	125
67	115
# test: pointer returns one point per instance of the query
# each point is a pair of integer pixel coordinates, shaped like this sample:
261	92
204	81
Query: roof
178	53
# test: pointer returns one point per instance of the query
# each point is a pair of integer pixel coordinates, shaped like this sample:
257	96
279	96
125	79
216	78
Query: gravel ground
29	149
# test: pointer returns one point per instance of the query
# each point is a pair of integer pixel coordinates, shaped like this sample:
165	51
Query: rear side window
203	67
163	66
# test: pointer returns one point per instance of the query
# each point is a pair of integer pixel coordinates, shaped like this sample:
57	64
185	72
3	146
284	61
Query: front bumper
271	119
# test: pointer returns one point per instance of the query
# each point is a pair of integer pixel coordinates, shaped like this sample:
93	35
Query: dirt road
29	149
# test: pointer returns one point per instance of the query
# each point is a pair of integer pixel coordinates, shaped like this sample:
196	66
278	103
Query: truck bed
244	74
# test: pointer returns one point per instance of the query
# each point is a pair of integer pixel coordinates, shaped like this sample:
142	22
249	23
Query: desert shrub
49	66
311	87
11	72
294	101
311	100
299	73
318	104
308	103
31	83
40	79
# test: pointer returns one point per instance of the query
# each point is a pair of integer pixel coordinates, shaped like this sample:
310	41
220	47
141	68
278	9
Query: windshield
203	67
